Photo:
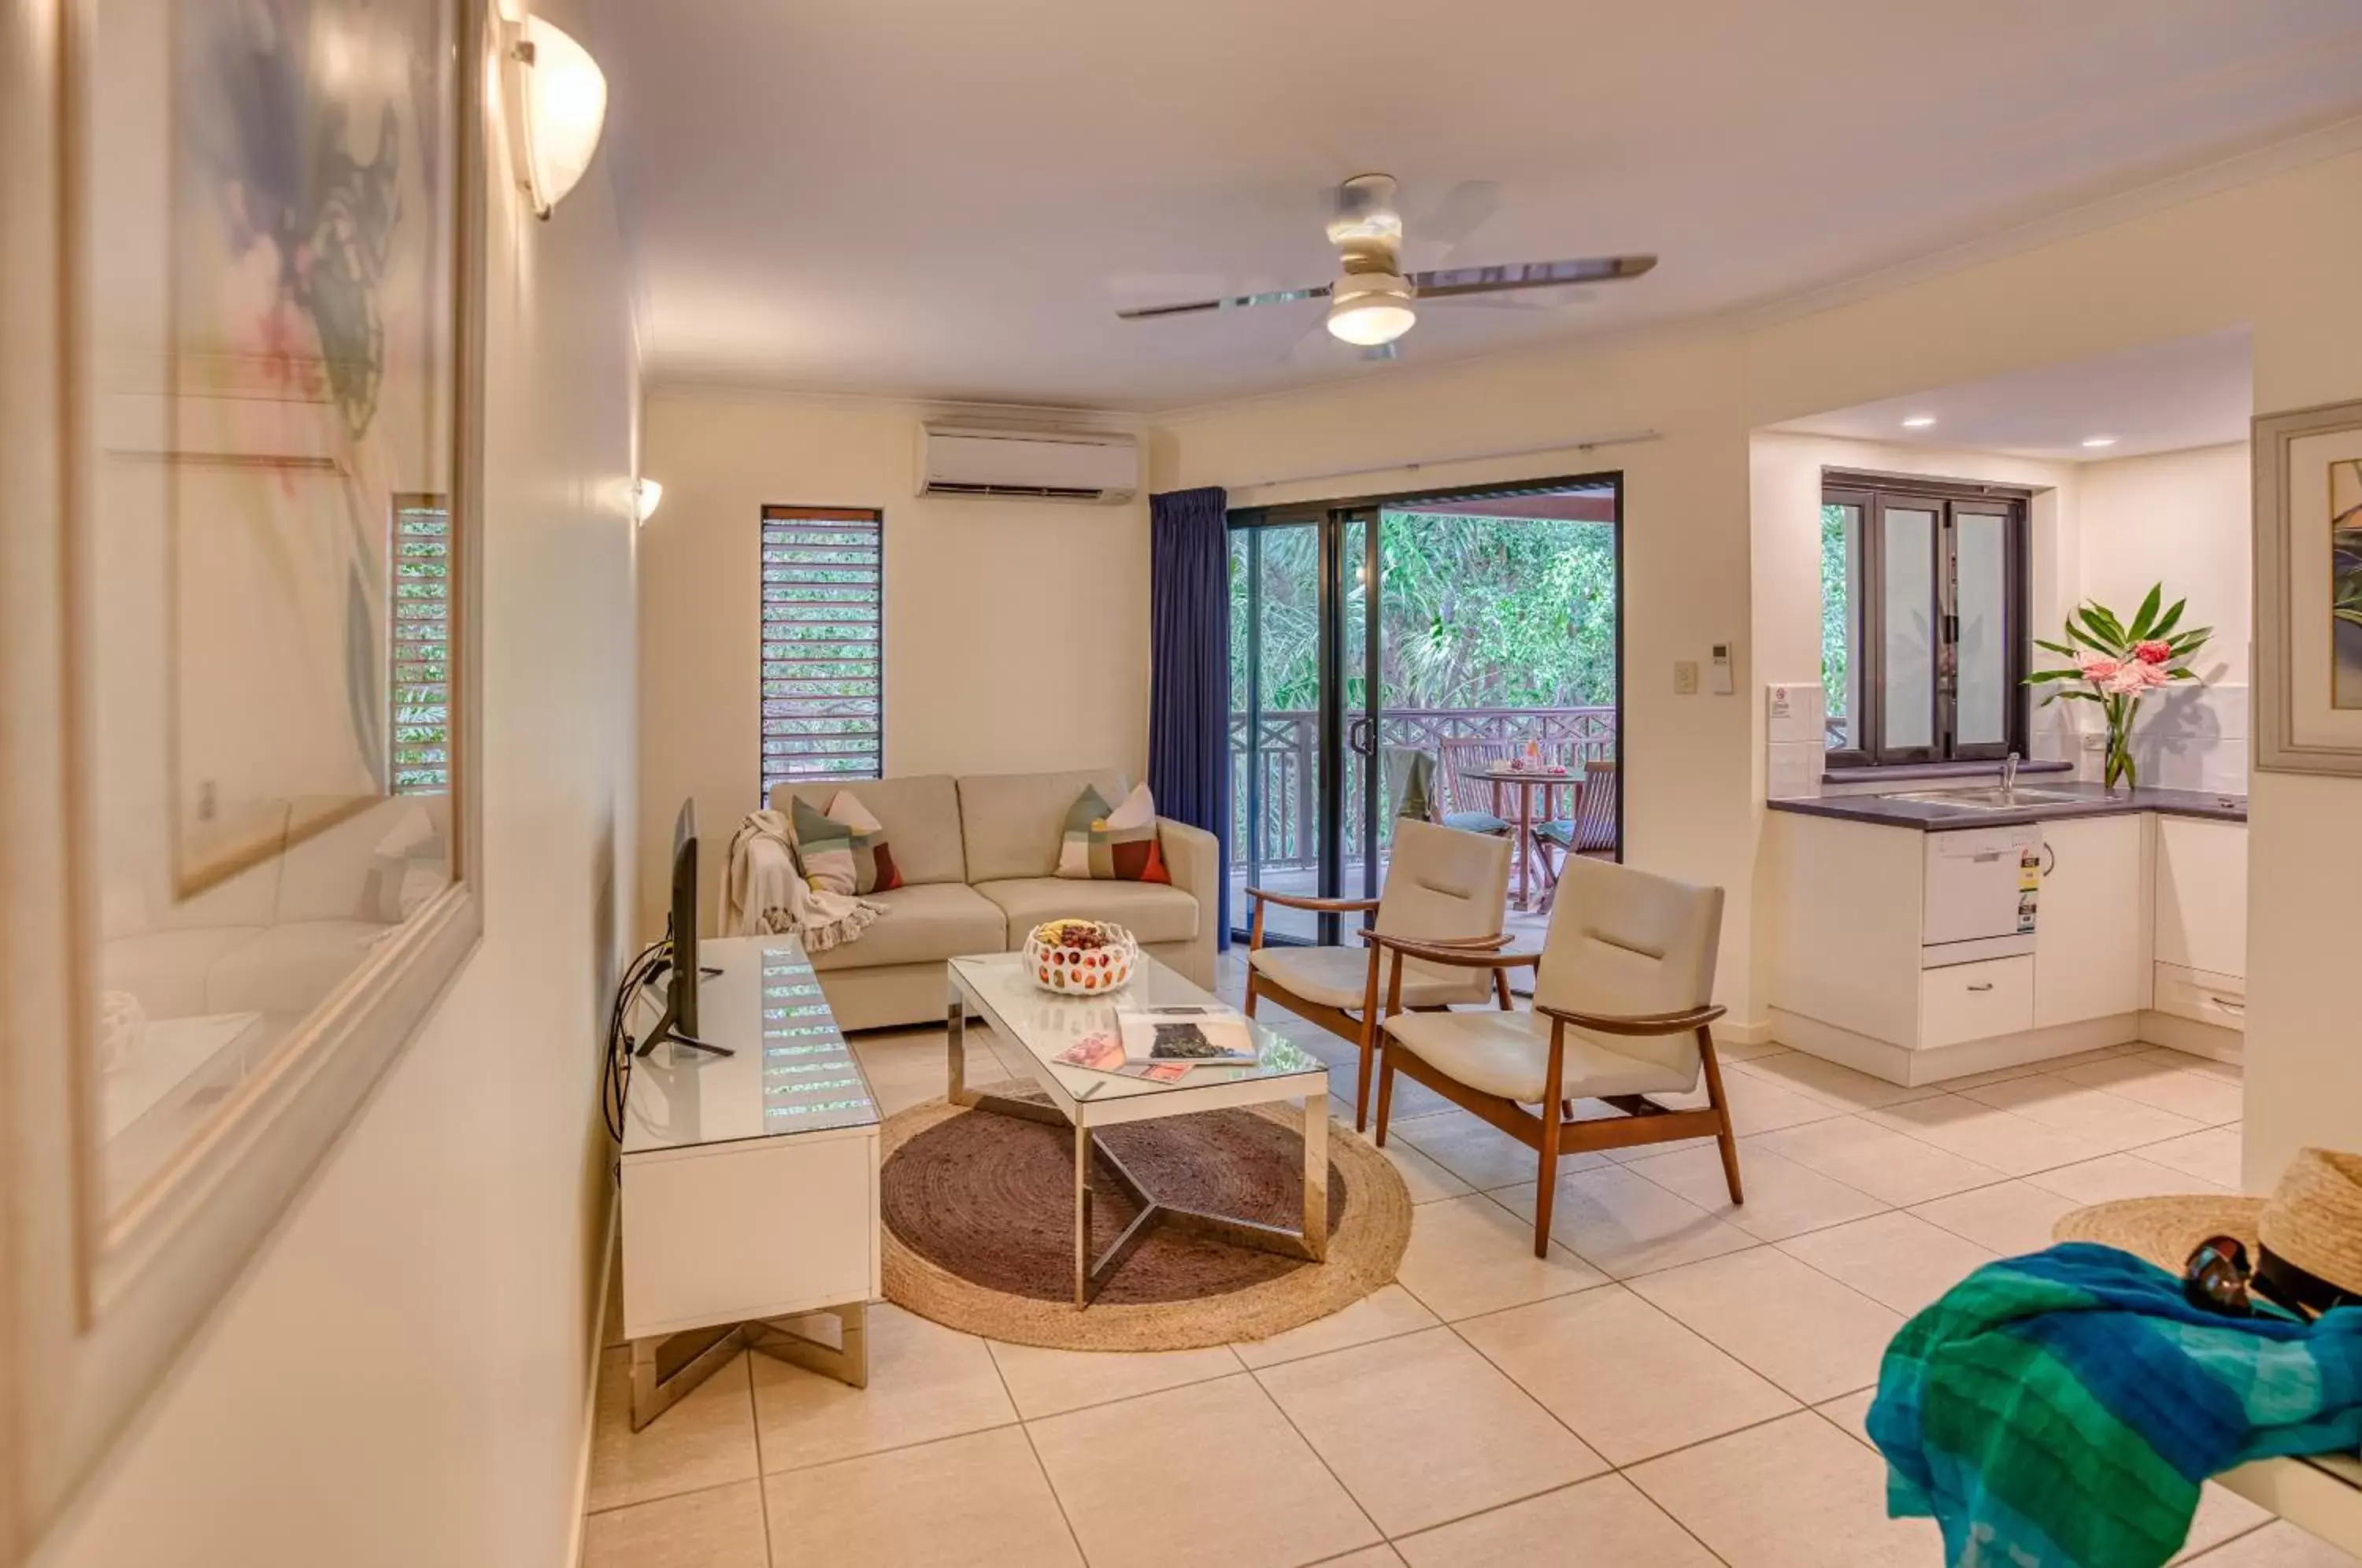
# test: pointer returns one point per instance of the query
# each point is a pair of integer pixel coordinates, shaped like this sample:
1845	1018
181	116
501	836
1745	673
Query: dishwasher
1981	885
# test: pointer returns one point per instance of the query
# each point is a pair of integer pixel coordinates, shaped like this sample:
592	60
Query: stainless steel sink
1988	799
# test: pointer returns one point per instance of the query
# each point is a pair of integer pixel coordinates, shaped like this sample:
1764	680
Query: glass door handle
1360	737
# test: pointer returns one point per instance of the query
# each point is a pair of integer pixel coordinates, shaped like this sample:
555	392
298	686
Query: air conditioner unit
1036	464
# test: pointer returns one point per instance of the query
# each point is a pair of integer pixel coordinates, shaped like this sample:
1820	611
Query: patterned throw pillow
844	849
1121	845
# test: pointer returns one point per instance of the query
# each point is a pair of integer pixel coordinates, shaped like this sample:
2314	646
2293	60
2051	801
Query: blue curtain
1189	670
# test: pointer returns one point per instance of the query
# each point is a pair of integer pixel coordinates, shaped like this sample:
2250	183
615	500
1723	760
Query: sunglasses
2219	1277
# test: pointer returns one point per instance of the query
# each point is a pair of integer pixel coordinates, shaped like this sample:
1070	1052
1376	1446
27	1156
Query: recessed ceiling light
2098	440
1919	421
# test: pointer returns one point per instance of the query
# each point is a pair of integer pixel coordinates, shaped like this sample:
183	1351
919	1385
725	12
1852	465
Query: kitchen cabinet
2201	895
2090	951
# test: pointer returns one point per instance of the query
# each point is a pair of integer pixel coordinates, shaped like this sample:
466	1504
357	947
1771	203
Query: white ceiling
2161	397
952	199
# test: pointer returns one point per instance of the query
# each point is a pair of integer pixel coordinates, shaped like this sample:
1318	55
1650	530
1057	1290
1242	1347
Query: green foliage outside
1837	641
1476	613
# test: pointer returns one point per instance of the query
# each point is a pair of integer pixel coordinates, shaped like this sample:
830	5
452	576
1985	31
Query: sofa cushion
920	816
924	922
290	969
1014	822
167	969
1152	912
1119	845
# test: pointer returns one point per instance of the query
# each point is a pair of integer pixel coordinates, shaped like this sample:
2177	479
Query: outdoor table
1524	780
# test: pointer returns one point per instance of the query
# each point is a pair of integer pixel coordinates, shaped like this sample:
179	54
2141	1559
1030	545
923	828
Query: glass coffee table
1042	1024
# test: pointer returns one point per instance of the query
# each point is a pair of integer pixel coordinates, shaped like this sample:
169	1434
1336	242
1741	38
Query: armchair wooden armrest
1263	896
1459	944
1639	1023
1468	953
1300	901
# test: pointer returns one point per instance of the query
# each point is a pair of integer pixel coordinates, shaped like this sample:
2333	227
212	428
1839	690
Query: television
680	1020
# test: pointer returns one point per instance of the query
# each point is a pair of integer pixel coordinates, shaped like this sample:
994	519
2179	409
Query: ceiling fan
1372	304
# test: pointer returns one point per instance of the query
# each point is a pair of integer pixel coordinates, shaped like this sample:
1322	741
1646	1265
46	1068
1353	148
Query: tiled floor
1682	1382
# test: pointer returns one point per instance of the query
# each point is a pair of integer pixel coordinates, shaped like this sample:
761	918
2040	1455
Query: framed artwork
2308	500
238	794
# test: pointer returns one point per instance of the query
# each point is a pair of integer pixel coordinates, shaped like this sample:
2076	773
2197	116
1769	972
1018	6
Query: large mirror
256	864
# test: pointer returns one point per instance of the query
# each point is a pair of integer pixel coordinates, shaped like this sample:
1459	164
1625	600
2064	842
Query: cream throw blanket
763	896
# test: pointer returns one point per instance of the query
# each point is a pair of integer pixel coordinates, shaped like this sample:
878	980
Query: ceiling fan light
1370	320
1370	308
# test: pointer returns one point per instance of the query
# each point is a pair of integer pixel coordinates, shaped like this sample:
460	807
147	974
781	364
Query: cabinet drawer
1975	1001
2202	996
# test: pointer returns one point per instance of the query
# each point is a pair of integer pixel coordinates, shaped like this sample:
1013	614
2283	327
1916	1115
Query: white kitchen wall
2181	519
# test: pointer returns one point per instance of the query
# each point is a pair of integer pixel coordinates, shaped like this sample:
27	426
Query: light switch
1685	678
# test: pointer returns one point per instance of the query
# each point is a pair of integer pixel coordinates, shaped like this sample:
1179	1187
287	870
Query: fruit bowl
1080	957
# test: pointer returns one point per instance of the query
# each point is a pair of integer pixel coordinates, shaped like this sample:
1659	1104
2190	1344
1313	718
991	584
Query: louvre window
421	639
822	661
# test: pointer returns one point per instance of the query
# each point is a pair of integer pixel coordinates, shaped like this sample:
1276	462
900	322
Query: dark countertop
1887	811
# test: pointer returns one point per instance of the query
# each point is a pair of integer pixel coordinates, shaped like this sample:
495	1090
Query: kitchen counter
2091	802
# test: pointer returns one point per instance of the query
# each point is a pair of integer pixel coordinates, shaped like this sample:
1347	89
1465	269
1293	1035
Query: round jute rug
979	1227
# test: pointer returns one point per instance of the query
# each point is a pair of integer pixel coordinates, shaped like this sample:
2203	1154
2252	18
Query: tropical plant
2117	663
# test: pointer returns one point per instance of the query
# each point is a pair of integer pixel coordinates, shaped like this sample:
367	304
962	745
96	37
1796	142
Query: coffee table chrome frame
1308	1243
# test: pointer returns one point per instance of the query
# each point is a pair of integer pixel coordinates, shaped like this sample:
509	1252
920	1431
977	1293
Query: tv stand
666	1026
749	1198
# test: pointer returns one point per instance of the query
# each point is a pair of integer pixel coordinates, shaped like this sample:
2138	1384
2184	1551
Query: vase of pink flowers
2116	664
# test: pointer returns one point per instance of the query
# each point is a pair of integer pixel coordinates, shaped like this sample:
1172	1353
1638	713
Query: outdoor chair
1622	1005
1445	889
1591	830
1468	803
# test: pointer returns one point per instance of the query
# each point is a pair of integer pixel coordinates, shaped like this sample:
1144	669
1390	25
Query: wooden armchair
1622	1009
1444	888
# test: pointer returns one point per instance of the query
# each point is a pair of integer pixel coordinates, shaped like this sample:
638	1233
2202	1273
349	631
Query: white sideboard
750	1194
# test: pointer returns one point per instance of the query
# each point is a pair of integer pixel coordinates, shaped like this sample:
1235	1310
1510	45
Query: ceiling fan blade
1465	208
1527	303
1228	302
1444	283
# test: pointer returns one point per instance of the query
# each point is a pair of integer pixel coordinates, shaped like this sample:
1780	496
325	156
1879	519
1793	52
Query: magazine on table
1103	1052
1192	1035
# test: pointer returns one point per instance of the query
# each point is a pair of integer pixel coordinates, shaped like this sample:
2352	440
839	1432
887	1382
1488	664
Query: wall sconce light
556	105
646	496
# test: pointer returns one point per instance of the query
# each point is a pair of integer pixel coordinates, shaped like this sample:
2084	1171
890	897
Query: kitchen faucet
2009	775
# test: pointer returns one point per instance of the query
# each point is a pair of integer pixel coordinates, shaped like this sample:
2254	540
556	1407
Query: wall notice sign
1781	707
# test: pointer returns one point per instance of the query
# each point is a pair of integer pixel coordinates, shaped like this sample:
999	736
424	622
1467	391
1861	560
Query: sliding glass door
1303	727
1465	629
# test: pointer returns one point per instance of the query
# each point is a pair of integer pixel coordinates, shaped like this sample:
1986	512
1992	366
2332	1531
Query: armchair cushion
1338	976
1508	1054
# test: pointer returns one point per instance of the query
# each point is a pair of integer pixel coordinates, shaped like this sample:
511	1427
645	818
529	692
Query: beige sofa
979	857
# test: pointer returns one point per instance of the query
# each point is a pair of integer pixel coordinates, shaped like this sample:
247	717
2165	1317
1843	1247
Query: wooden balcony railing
1279	777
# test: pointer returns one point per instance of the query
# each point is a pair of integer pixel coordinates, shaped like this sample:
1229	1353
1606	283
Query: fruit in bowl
1080	957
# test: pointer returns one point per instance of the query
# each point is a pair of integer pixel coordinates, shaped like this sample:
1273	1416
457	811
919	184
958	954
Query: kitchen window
1923	619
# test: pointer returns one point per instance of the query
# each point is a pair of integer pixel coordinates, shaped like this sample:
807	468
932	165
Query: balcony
1275	796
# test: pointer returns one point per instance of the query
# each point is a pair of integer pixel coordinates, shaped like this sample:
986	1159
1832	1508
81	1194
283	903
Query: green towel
2059	1410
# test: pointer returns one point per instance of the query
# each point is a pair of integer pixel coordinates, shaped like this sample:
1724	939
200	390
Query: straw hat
2310	1225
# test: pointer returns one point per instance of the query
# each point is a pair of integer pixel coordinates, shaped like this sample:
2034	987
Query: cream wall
399	1380
1016	632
